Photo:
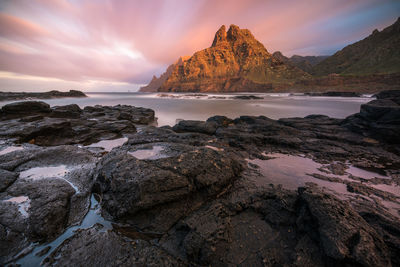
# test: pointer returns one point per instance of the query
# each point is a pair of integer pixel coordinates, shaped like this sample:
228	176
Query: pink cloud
130	40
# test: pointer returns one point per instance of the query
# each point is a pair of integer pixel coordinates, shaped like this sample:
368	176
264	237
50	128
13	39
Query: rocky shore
250	191
8	96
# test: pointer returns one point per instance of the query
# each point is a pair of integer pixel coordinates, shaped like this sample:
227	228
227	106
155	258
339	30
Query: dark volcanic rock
94	247
247	97
208	127
343	233
342	94
6	96
48	191
25	108
379	119
134	185
37	123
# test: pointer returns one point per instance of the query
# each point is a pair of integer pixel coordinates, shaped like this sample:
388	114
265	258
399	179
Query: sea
170	108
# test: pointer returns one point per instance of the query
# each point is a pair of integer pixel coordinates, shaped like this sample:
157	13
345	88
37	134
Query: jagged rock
6	96
208	127
95	247
37	123
50	192
236	61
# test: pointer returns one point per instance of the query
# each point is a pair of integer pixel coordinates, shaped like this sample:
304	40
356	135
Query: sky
117	45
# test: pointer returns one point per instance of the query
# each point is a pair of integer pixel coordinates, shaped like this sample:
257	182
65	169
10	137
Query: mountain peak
220	36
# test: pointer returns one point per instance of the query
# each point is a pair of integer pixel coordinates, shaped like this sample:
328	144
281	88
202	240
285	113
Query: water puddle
364	173
92	217
108	145
24	203
152	153
48	172
10	149
294	171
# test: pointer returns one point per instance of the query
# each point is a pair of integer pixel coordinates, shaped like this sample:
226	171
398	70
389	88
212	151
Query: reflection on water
91	218
152	154
58	172
274	106
293	172
108	145
24	203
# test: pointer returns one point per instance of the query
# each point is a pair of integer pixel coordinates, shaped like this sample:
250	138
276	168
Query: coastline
176	191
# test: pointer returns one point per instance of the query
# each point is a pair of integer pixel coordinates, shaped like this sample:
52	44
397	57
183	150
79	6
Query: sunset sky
116	45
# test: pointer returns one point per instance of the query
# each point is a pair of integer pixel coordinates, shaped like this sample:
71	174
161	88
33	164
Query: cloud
129	41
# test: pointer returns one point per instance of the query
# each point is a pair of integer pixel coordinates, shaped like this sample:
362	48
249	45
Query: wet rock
333	93
221	121
7	96
378	119
344	235
71	125
25	108
50	192
247	97
94	247
6	179
68	111
196	126
135	185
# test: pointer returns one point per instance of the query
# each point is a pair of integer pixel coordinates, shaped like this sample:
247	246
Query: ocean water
172	107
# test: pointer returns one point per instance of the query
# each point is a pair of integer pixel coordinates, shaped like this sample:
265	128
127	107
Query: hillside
378	53
305	63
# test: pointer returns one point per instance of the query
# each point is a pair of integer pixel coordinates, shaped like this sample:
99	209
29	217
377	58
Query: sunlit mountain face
119	45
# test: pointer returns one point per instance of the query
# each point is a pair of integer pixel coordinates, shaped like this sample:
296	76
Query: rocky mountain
156	83
236	61
378	53
305	63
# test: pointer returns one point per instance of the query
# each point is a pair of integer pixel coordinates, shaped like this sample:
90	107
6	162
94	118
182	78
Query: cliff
236	61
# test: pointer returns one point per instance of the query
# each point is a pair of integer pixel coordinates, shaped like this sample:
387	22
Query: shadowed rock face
236	61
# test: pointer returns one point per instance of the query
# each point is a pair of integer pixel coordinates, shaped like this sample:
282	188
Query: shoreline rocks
198	193
7	96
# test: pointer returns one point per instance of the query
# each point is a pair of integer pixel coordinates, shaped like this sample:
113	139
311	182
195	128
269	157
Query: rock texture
378	53
156	83
6	96
236	61
37	123
211	193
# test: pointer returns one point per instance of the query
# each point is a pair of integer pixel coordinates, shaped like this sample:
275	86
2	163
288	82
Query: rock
68	111
6	179
235	62
221	121
50	192
343	233
208	127
70	124
25	108
393	95
333	93
7	96
247	97
135	187
94	247
377	119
